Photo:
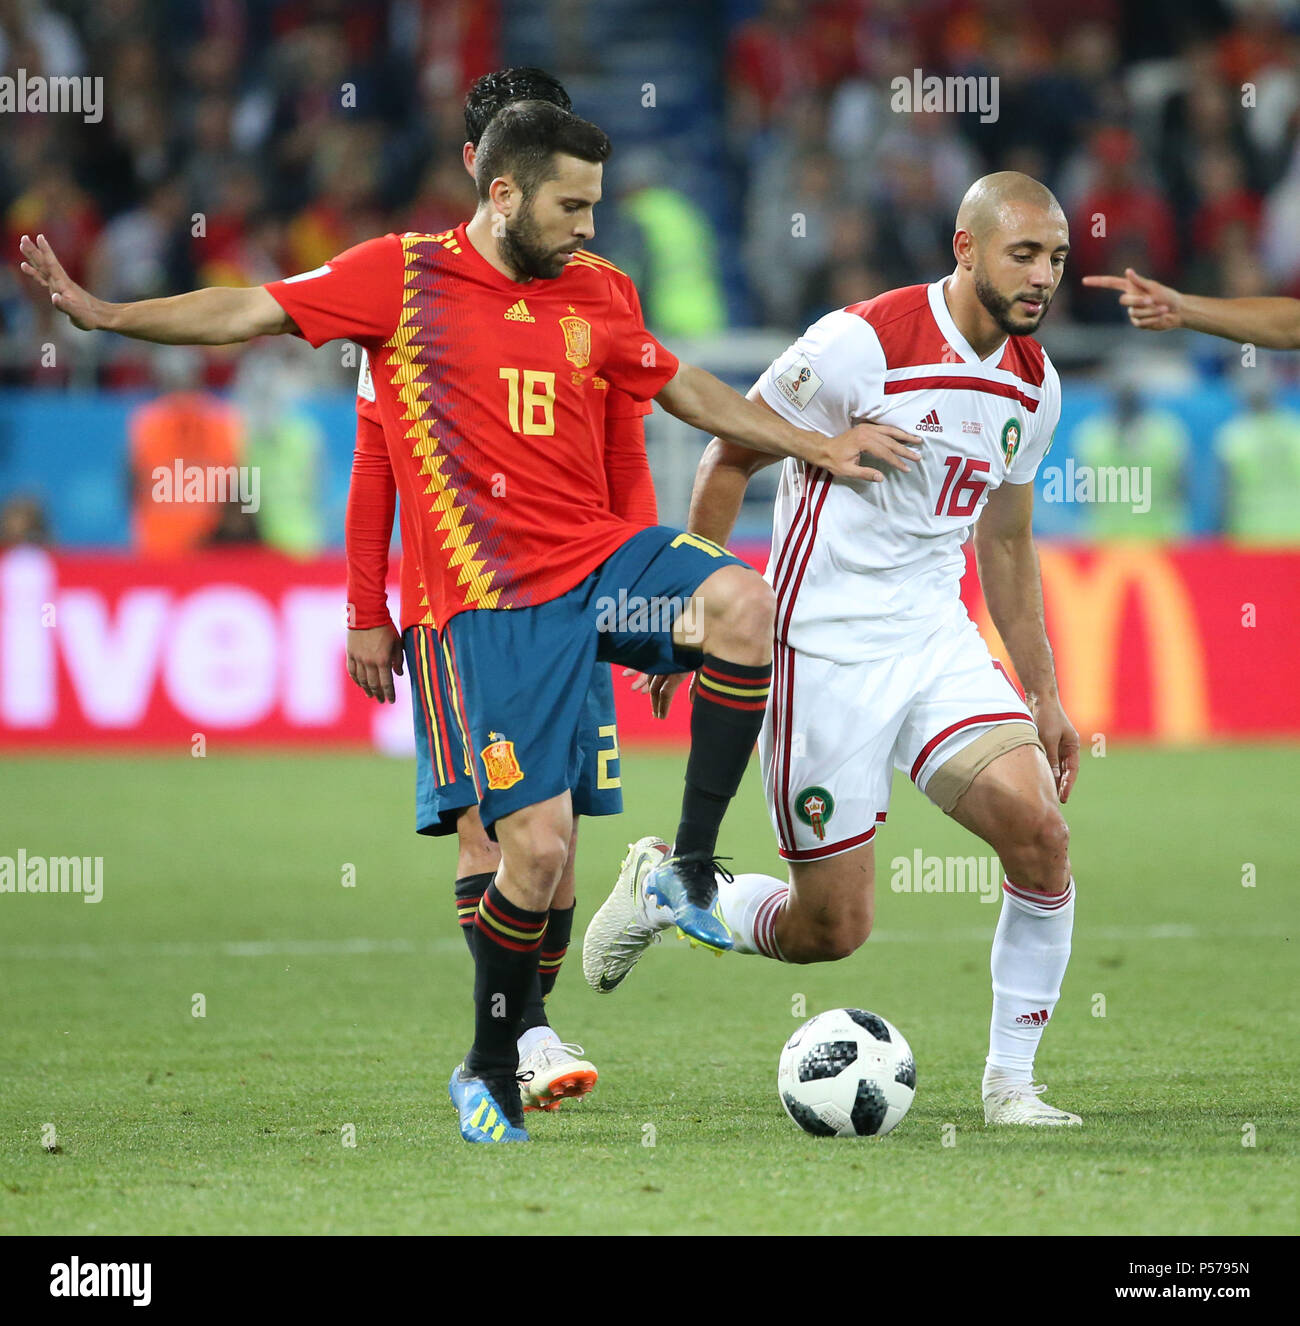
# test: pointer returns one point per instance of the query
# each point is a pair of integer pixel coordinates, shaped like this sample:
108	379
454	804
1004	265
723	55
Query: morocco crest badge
814	806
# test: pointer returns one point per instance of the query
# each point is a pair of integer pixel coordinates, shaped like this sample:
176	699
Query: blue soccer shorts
444	775
523	673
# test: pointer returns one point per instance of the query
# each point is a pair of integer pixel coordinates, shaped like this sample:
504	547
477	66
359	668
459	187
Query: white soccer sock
1031	949
750	907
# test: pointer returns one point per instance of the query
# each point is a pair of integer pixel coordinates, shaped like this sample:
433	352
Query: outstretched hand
1151	306
81	307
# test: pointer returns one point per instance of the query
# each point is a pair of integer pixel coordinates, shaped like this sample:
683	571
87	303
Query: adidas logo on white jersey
518	312
930	424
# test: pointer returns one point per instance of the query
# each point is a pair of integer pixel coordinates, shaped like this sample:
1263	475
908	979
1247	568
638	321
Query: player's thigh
521	677
825	751
831	906
1012	804
645	604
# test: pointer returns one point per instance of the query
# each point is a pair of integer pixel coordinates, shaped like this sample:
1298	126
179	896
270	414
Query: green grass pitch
331	1009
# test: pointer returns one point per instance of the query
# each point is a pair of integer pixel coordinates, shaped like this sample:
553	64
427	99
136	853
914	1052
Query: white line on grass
331	948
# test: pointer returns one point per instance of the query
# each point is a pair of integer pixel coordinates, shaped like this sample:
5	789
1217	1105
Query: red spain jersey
492	396
635	499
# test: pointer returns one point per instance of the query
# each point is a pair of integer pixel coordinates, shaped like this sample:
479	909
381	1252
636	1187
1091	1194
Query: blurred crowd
1169	131
242	139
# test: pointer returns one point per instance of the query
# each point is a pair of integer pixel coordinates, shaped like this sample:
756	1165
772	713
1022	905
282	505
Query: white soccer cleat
554	1071
626	925
1018	1102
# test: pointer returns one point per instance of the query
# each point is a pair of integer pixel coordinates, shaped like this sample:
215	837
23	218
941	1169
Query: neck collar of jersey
939	307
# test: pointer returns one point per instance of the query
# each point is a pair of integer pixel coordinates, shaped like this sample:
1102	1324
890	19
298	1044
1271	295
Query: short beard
999	308
522	250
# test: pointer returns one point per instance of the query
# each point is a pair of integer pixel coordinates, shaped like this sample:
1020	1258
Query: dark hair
503	86
523	140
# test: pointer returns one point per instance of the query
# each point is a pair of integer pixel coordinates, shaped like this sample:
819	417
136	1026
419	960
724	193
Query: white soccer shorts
834	733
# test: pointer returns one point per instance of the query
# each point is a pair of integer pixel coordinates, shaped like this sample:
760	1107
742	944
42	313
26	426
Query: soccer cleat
1018	1102
618	933
554	1071
489	1108
688	885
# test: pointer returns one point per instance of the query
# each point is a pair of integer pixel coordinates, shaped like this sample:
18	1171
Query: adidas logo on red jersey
518	312
930	424
1038	1019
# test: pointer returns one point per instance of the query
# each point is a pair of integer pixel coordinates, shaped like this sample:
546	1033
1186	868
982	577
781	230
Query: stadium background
760	177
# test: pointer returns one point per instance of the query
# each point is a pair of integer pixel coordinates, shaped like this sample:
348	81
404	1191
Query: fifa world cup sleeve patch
799	384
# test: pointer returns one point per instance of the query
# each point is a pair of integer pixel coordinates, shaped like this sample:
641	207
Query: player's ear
503	194
963	248
468	154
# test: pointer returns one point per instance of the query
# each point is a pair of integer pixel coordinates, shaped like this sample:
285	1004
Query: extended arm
215	316
698	398
1013	589
1270	322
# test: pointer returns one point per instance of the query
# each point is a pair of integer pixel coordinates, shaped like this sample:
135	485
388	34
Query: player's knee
742	614
541	857
1039	859
829	940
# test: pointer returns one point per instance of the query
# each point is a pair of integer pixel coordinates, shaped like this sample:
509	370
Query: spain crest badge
499	760
577	341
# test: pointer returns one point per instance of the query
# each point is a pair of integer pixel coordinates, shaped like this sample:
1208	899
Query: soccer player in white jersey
877	665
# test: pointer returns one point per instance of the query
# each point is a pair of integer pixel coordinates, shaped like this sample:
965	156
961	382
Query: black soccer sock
725	721
506	943
469	889
559	929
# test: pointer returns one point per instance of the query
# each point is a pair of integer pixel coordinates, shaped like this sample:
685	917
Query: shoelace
1029	1093
700	874
552	1050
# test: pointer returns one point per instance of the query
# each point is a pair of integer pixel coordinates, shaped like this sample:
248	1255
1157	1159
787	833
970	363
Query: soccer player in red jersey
446	799
490	344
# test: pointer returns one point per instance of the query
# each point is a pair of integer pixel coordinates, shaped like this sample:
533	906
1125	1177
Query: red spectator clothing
1215	215
373	490
1135	219
491	395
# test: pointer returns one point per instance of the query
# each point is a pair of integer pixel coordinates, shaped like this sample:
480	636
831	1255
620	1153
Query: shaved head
1011	242
991	203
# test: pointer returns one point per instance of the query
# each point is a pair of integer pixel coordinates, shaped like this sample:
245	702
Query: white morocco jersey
864	570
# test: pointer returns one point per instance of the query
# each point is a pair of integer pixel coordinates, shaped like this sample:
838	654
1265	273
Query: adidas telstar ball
846	1073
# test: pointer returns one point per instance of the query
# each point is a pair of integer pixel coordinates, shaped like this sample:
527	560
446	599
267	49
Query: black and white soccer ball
846	1073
